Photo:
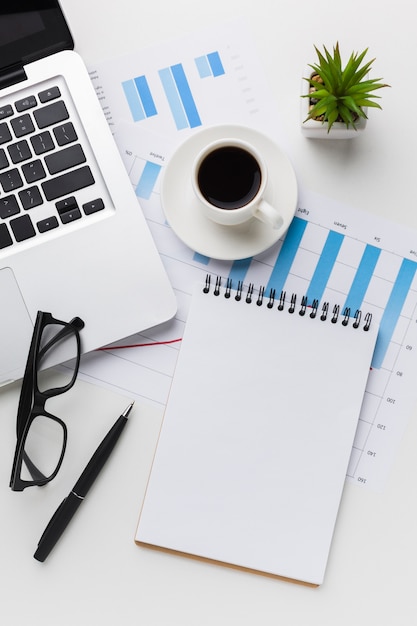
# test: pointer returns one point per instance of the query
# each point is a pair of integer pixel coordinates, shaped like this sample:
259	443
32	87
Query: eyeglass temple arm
76	324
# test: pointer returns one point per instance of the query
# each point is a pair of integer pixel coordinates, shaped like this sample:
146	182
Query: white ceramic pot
318	130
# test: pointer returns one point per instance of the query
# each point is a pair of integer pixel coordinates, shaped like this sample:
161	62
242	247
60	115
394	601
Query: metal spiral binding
335	316
260	296
248	296
357	318
218	285
368	320
314	308
206	288
303	308
271	300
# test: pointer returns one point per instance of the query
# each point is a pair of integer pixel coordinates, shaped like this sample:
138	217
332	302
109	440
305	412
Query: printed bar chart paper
331	252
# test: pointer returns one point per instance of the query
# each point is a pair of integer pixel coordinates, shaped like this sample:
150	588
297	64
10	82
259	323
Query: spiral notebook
256	439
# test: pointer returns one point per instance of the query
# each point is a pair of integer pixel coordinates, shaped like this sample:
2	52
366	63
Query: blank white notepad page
256	438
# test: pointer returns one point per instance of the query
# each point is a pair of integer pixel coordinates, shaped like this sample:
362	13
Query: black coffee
229	177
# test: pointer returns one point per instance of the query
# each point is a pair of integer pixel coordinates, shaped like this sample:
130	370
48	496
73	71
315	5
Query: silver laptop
73	240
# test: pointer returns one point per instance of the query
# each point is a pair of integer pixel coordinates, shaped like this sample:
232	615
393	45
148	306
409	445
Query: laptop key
66	184
8	207
68	204
19	151
6	111
5	238
70	216
30	198
64	159
51	114
42	143
22	125
10	180
47	224
93	206
22	228
5	134
65	134
3	159
49	94
33	171
26	103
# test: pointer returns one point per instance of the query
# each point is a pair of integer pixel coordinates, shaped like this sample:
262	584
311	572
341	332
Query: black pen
69	506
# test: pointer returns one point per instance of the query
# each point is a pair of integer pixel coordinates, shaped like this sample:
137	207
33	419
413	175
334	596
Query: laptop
73	239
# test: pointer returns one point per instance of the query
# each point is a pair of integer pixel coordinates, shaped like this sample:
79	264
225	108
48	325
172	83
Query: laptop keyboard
43	166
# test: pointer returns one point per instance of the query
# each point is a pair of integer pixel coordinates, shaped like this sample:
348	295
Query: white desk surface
96	574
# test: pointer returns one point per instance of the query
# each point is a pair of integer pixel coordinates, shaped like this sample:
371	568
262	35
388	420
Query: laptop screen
31	30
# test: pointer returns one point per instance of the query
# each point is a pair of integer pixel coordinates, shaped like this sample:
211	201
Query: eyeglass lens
55	336
42	448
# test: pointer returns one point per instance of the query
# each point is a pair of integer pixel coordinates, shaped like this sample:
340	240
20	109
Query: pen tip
127	409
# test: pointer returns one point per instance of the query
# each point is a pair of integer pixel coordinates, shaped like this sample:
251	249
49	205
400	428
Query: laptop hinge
12	76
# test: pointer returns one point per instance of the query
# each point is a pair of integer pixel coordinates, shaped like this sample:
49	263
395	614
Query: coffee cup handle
267	214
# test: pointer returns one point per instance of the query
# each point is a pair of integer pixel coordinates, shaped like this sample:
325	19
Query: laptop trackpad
16	329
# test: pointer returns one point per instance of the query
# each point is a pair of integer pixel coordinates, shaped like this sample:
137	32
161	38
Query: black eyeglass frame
32	400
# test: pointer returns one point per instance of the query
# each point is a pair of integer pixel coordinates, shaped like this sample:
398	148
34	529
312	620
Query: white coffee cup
229	179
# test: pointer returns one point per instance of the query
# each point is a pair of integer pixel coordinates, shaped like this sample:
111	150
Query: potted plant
335	100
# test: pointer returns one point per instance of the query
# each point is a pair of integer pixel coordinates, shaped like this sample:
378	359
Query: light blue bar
362	278
200	258
173	97
203	67
147	180
239	270
286	256
215	64
324	266
133	101
145	96
186	95
393	310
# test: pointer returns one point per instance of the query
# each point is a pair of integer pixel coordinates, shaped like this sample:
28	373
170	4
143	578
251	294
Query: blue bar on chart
180	97
147	180
393	310
139	98
215	64
203	66
286	256
209	65
324	266
239	270
362	278
201	258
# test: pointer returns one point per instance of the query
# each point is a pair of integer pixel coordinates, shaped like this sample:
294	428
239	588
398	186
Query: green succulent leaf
350	104
321	93
369	103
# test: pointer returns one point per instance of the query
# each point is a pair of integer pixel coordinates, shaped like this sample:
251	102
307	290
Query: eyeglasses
41	436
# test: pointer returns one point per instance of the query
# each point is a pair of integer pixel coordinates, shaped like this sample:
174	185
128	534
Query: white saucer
202	234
